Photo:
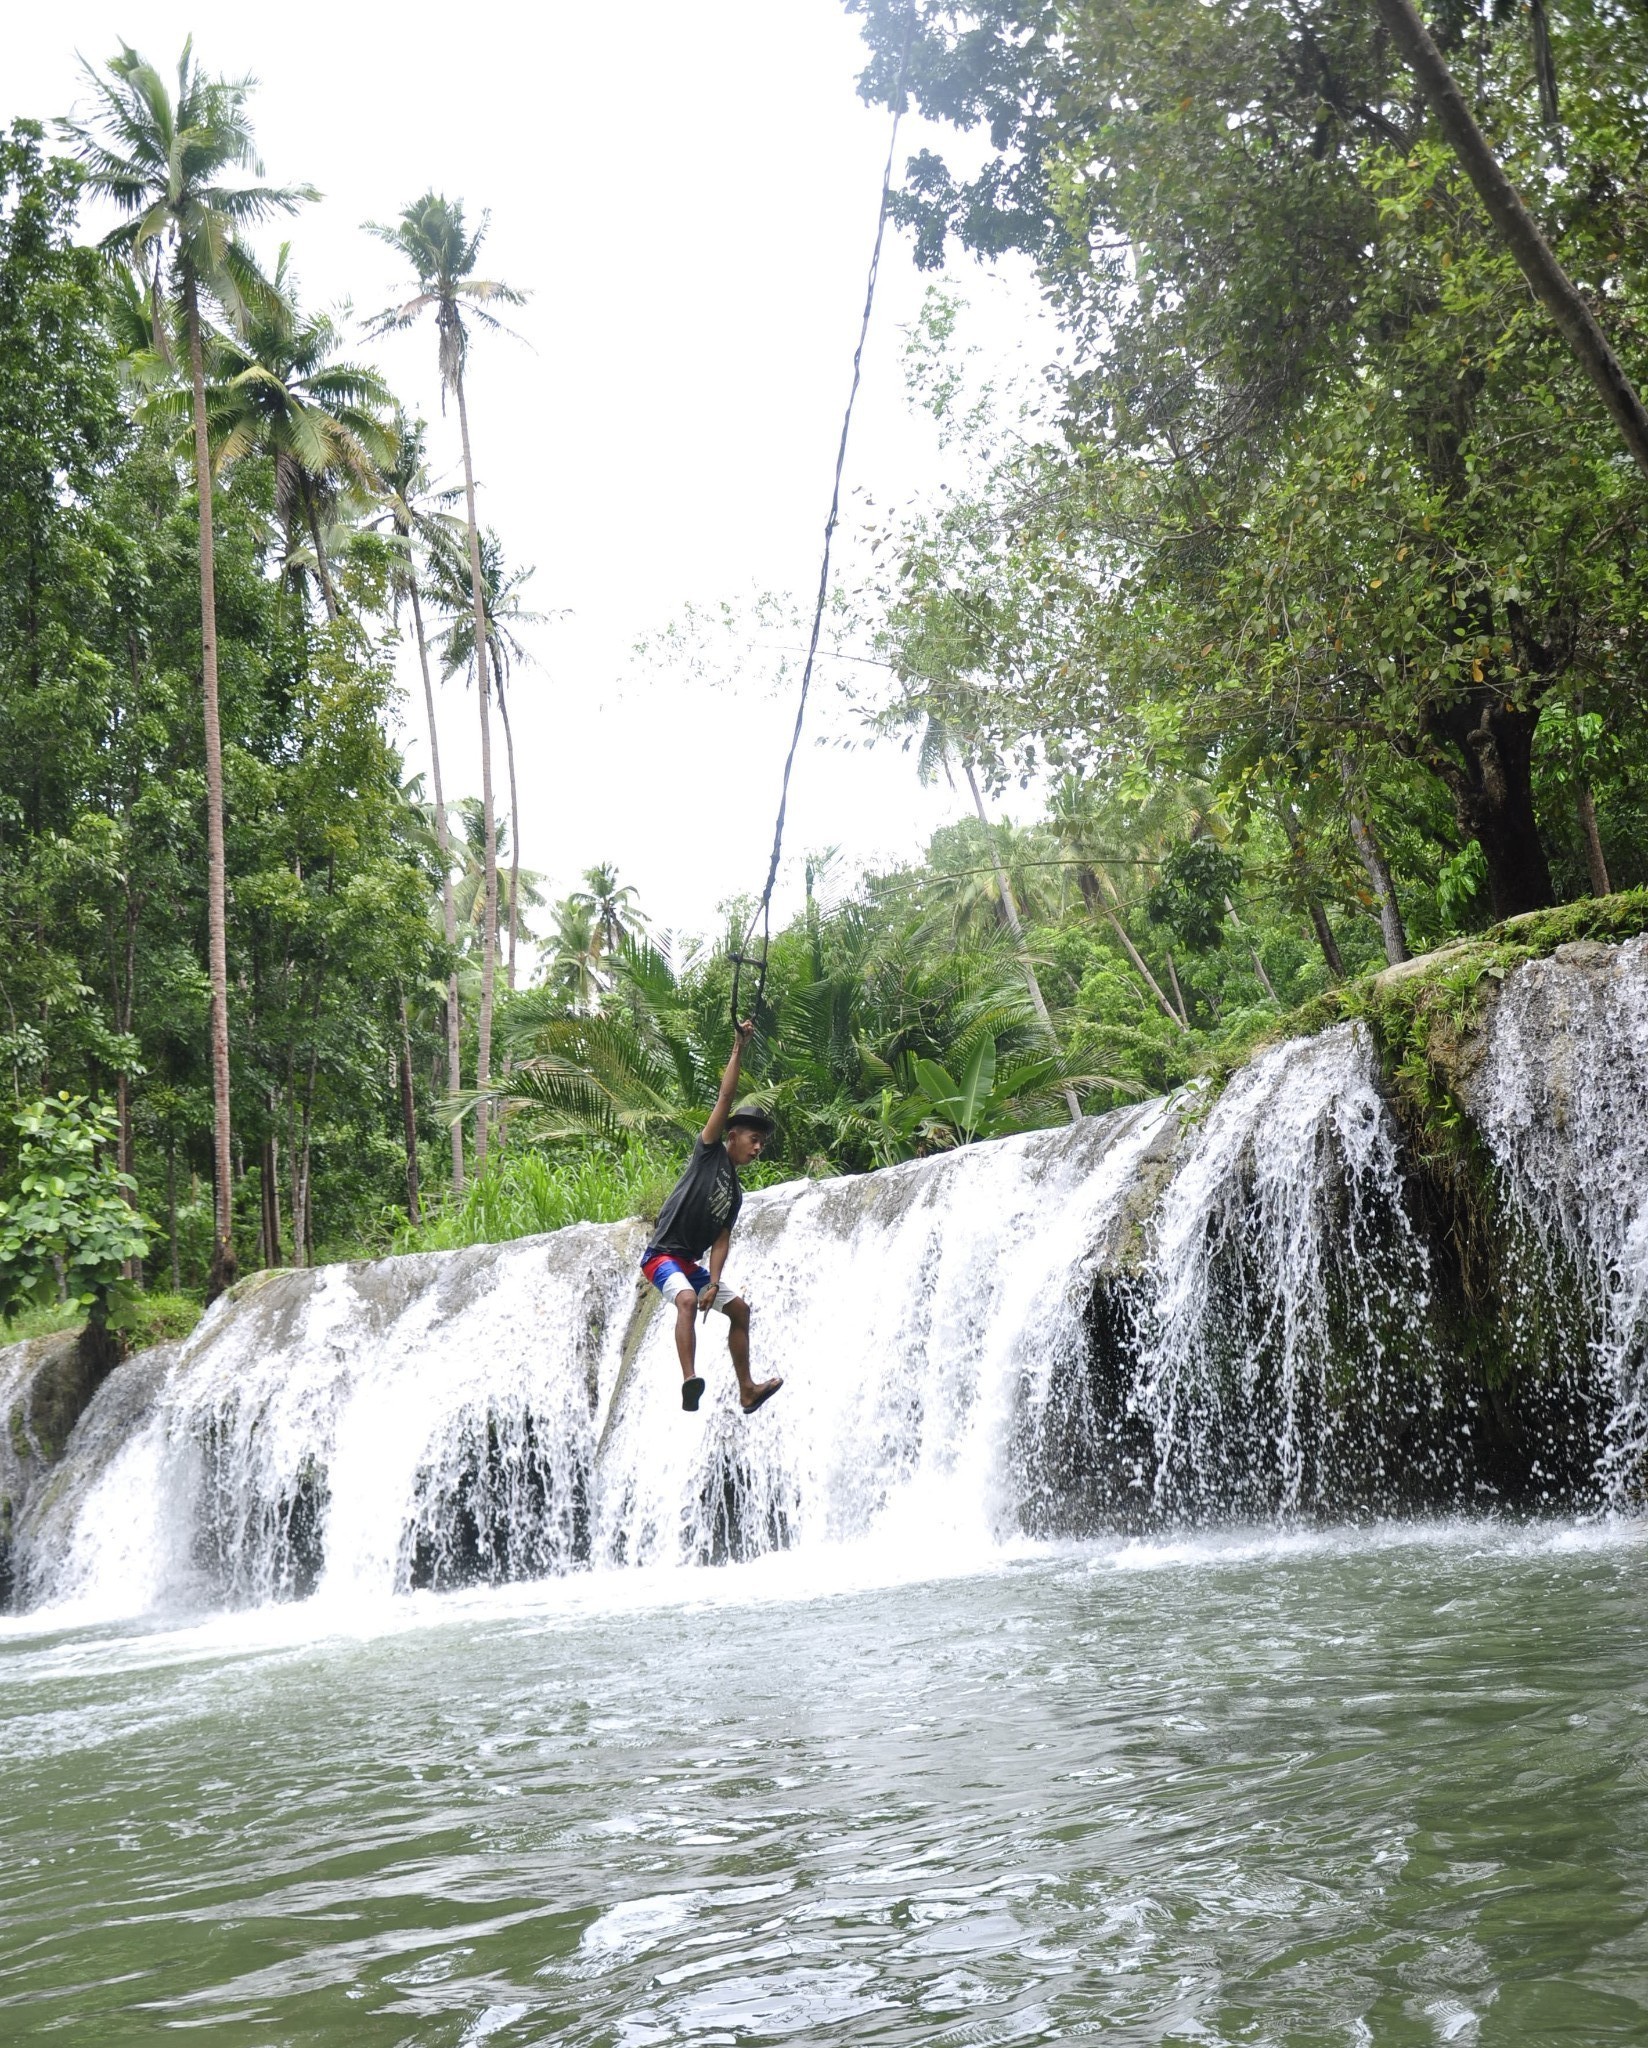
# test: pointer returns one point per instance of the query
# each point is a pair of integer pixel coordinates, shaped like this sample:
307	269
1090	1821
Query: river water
1386	1786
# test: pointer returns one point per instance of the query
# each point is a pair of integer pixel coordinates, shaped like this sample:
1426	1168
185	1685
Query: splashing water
1561	1099
1285	1283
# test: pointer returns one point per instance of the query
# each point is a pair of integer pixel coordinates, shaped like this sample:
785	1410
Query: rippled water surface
1382	1788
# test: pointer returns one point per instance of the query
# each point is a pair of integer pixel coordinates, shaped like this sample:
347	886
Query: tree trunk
303	1233
1550	113
514	837
1010	911
1178	993
1253	955
1324	938
171	1209
1550	283
1313	903
131	1269
271	1198
217	933
1600	885
409	1120
322	568
1491	778
1371	855
299	1157
483	687
1087	880
449	910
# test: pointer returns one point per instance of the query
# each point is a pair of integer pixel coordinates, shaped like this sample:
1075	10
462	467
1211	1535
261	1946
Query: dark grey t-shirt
704	1202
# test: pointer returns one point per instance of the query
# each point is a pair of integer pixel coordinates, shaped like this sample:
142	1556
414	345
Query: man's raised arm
712	1132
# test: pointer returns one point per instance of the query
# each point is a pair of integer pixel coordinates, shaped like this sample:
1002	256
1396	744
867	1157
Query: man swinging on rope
699	1215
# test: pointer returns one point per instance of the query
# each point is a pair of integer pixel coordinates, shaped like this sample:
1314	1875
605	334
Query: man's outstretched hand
746	1031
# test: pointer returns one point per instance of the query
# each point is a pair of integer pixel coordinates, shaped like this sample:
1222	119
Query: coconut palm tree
572	965
501	593
433	238
613	909
469	887
163	161
417	516
279	390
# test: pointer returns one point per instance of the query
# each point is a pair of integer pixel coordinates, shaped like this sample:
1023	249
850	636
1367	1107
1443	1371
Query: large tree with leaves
164	161
1333	502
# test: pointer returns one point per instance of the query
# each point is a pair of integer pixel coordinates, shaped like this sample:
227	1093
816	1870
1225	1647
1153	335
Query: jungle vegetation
1310	610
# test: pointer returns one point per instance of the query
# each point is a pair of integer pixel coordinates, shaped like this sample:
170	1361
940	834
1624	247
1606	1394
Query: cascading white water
514	1409
1282	1247
910	1312
1561	1099
1167	1313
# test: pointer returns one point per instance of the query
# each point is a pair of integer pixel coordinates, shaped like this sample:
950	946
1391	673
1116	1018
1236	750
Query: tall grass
526	1192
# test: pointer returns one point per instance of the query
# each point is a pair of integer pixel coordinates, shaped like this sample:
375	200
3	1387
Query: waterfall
514	1409
1247	1303
1561	1100
1286	1291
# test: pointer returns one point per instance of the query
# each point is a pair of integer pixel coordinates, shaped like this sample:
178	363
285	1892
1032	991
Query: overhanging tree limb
1551	284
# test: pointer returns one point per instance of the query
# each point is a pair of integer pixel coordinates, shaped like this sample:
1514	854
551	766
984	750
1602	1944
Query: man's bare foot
763	1390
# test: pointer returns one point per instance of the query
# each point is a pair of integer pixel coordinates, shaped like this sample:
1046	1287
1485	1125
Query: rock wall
46	1385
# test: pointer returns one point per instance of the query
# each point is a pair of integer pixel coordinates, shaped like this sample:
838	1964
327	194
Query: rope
762	915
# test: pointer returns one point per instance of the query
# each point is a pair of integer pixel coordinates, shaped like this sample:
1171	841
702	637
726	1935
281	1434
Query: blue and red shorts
673	1274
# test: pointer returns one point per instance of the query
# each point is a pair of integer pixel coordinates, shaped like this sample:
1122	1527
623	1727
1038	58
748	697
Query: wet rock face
46	1385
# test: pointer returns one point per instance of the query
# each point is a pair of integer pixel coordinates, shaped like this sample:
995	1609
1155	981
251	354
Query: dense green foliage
66	1219
102	863
1329	519
1310	605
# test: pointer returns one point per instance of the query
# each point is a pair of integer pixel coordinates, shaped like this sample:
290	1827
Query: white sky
687	188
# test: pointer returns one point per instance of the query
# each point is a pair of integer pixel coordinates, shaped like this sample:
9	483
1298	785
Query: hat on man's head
754	1119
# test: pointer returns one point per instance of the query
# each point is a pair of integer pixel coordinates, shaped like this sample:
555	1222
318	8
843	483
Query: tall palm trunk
409	1119
483	686
217	939
449	909
1010	910
322	567
514	837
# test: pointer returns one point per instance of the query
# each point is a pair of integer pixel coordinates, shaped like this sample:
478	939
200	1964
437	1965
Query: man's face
744	1144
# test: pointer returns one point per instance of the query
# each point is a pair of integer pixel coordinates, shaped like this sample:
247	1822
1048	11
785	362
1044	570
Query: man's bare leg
750	1391
686	1337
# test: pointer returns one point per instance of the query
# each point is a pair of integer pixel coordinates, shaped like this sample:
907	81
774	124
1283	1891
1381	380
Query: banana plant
966	1104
